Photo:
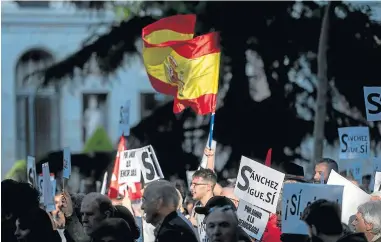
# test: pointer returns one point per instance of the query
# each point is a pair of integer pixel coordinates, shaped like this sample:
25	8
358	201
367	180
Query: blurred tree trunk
322	85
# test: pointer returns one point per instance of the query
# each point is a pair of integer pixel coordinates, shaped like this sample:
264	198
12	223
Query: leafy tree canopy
284	36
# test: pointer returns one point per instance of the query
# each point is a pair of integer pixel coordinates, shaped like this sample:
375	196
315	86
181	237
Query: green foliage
285	35
99	142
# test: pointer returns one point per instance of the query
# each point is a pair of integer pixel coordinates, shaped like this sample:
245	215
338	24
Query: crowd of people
167	212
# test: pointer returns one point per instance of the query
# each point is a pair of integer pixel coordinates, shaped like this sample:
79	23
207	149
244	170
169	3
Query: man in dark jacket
160	201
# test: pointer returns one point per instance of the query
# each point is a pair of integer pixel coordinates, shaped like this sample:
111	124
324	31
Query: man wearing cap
220	201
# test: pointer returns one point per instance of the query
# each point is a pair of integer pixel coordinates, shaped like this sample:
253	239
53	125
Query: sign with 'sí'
354	143
258	184
372	96
298	196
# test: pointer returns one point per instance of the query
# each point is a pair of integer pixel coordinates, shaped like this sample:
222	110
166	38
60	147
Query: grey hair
370	212
104	202
165	190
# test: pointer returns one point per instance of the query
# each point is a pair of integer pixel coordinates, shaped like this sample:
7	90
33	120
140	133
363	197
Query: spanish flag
182	66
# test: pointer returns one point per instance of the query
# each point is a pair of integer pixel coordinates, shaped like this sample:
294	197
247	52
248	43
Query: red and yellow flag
180	65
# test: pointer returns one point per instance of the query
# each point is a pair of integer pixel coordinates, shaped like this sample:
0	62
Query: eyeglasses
198	184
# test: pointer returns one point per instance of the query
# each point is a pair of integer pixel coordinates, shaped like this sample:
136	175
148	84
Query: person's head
180	186
113	230
222	224
366	181
95	208
93	101
368	219
323	219
159	199
15	205
215	202
203	182
35	225
123	213
376	196
229	193
324	167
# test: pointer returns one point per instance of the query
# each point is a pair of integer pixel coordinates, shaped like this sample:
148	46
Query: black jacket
355	237
174	229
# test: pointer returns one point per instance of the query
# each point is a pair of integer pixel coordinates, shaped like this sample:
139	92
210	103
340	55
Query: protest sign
124	119
355	169
41	186
32	174
353	196
47	188
298	196
377	182
204	160
66	163
129	167
258	184
252	220
354	142
372	96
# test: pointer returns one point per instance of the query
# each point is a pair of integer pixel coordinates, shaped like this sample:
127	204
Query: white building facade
34	37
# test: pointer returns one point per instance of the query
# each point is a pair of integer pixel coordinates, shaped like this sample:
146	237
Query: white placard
372	96
32	174
353	196
204	160
41	186
258	184
377	182
47	188
297	196
129	167
124	119
354	142
355	168
149	164
66	171
252	220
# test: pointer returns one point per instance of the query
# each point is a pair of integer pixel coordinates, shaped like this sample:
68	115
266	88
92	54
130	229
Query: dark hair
14	194
40	225
332	165
317	213
123	213
115	227
206	174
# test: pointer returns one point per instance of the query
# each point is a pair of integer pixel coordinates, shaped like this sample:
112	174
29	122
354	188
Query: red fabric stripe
194	48
113	191
202	105
162	87
184	24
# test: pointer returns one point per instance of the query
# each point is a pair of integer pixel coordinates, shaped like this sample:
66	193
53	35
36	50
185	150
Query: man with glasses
203	182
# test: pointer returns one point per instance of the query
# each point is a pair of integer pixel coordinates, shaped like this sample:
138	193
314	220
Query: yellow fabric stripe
164	35
198	76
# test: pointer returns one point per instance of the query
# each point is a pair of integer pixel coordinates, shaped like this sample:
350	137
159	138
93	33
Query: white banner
298	196
353	196
377	182
258	184
252	220
372	96
32	174
354	143
129	167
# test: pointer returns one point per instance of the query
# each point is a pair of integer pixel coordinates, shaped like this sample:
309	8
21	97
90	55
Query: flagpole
211	130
